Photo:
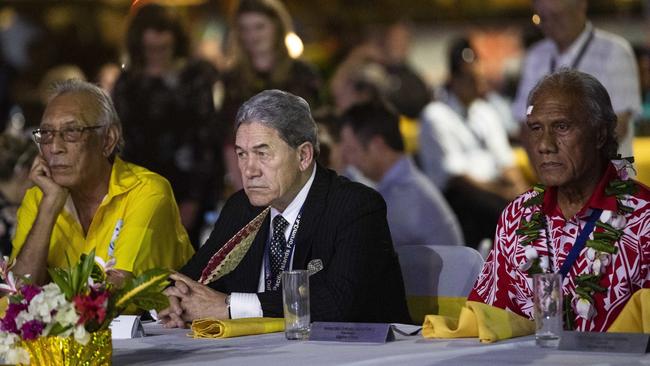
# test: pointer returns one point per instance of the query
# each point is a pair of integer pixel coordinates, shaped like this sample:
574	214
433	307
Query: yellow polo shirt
137	223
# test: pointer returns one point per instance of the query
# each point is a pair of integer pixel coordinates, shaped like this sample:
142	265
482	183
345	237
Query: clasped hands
189	300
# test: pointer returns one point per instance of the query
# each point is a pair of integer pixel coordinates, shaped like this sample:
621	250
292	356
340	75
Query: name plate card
126	327
604	342
351	332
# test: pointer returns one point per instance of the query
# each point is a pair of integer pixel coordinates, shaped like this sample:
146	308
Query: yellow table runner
214	328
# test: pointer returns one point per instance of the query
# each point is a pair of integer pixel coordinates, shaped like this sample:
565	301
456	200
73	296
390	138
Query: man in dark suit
317	220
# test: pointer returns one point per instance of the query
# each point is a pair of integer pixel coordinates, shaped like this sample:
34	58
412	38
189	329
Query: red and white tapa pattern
503	284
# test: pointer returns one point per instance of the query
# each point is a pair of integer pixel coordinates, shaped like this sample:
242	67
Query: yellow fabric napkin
488	323
214	328
421	306
635	316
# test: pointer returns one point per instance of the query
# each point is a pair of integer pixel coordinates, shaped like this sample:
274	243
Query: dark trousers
477	210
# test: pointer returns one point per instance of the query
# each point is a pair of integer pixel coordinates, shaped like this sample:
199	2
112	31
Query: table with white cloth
173	347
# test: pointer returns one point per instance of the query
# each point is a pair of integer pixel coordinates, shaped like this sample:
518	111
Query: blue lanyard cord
274	283
580	242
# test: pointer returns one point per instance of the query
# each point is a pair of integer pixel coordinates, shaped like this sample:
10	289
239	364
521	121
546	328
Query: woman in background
260	59
165	102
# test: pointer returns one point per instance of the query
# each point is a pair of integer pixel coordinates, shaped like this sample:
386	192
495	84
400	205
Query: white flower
49	299
543	263
584	308
531	253
67	315
105	265
80	335
525	266
623	168
23	317
16	356
605	258
591	253
10	286
7	341
618	222
9	350
596	266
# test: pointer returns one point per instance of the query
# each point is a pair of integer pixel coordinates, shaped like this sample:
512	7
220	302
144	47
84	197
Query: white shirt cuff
243	305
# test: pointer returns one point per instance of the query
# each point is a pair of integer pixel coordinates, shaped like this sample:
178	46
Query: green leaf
155	300
61	278
135	288
602	246
58	329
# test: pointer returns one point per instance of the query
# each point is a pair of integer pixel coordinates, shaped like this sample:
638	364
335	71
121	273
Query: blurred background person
465	151
16	156
165	102
417	211
262	56
572	41
643	61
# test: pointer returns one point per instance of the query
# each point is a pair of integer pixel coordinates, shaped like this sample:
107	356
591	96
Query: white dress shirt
247	305
608	57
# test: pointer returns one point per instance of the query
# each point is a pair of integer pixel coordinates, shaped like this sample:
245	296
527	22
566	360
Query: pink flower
8	323
32	329
91	307
29	291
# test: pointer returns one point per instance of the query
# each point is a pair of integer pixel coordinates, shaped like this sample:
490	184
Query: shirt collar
400	169
291	212
598	199
571	52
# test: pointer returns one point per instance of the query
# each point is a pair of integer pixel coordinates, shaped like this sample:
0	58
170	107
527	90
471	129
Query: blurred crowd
380	121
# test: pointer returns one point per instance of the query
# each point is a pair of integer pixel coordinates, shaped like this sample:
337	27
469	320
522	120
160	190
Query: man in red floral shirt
570	141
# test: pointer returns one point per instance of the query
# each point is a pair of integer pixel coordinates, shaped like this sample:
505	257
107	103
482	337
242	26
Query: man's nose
547	142
251	167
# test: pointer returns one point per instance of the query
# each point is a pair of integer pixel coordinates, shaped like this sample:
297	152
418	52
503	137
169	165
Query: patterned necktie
277	247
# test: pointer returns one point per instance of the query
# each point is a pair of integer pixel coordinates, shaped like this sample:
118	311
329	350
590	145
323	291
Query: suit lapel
312	210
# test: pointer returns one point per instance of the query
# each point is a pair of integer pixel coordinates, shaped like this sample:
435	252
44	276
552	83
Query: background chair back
438	278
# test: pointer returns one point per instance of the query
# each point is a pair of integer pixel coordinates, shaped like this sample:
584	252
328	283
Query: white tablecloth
173	347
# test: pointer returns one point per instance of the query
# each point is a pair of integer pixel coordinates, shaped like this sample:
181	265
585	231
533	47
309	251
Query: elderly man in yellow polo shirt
87	198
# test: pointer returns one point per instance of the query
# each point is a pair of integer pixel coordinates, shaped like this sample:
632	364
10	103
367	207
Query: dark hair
242	65
159	18
590	99
375	118
460	54
14	153
284	112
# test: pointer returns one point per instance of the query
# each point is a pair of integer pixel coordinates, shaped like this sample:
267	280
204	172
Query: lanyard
271	283
580	242
580	55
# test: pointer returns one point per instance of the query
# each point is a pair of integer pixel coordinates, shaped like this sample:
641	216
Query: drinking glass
295	298
547	298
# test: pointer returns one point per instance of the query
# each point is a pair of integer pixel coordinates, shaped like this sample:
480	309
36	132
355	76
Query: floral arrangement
599	248
78	302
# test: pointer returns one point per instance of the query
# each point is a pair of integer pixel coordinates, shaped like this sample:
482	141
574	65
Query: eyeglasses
68	134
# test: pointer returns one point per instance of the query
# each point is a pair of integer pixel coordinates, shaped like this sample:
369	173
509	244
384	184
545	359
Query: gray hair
591	100
102	104
284	112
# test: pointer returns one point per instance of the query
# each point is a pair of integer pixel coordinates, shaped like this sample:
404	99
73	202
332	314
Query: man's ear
111	139
375	144
306	155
